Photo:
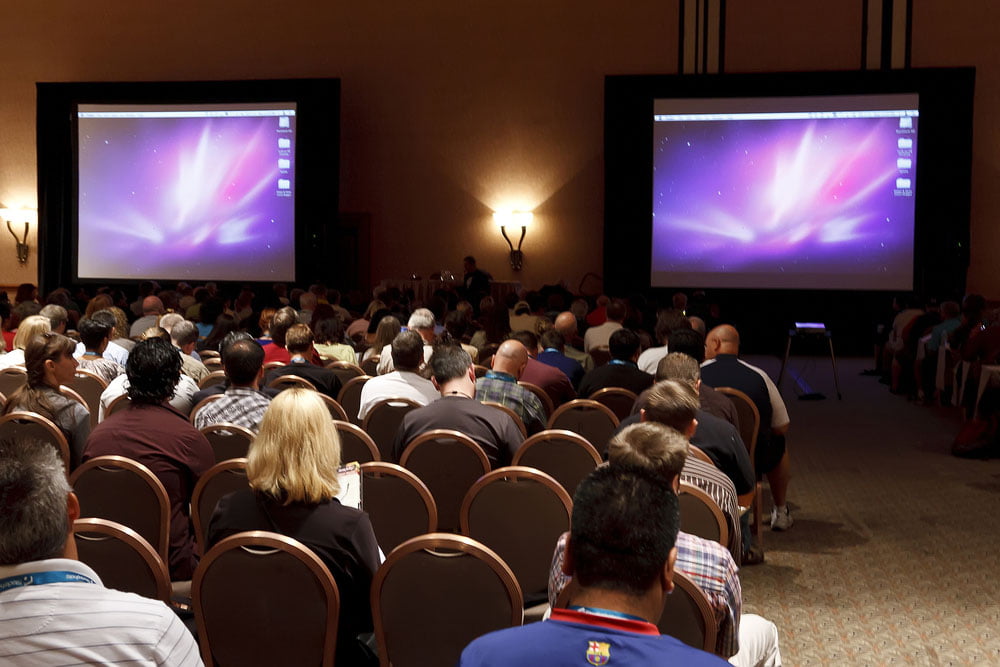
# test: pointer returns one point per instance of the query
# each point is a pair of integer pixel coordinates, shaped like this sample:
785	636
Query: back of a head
153	370
526	338
93	332
183	333
726	337
30	327
624	525
455	324
298	339
449	362
422	318
170	320
407	351
308	301
295	456
678	366
243	361
617	310
282	321
34	522
687	341
650	445
152	305
566	321
623	344
57	315
672	403
668	321
552	339
231	338
155	332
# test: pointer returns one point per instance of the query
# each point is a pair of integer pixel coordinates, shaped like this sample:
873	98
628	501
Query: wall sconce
514	219
18	215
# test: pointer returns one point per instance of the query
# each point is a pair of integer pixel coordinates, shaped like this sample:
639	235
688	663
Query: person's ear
642	414
667	575
72	507
435	382
692	429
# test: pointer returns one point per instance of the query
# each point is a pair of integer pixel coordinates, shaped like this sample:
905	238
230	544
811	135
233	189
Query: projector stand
810	329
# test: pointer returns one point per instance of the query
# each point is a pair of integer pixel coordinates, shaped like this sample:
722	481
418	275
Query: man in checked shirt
745	639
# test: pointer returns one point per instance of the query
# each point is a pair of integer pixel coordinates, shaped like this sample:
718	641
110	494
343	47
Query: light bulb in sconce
14	217
507	218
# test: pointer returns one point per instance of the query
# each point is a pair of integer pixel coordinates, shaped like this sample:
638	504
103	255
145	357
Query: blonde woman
292	470
30	327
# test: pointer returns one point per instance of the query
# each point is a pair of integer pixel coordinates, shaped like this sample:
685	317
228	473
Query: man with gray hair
56	610
421	321
58	317
184	336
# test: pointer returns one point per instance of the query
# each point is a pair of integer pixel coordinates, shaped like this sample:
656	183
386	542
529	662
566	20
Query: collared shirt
708	564
106	369
503	388
397	384
714	482
113	351
726	370
86	623
242	406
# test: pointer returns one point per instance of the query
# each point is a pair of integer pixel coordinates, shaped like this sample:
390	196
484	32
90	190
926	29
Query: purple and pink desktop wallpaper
818	203
208	198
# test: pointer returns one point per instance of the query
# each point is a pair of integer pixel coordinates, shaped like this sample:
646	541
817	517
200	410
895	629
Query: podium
805	331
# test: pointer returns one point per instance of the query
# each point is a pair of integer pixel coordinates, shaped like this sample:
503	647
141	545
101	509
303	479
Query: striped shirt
239	405
76	623
708	564
720	488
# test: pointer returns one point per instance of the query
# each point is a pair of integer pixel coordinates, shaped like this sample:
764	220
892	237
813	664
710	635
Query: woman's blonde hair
36	325
295	456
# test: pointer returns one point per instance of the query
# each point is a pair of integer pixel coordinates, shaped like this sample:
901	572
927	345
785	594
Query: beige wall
450	109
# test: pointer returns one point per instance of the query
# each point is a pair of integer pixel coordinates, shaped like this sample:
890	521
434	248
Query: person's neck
460	387
644	606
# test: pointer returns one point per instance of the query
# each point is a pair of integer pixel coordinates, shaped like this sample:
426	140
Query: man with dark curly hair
156	435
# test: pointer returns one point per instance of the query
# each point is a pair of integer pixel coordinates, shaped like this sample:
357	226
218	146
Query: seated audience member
220	387
161	438
333	300
404	382
566	324
184	336
552	381
280	323
359	327
224	324
307	304
30	328
600	335
292	471
95	336
599	315
50	363
116	349
523	317
264	324
746	639
554	354
329	343
56	609
499	385
152	309
457	324
421	321
621	371
622	553
242	403
723	368
381	332
457	409
666	322
299	343
58	317
691	343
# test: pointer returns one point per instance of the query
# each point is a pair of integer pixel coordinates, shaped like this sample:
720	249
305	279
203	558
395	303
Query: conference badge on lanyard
598	653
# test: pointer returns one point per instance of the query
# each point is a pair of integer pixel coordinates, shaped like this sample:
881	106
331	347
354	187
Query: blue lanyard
609	613
40	578
493	375
551	349
622	362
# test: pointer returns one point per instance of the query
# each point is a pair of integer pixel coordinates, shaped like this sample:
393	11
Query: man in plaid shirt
241	404
500	386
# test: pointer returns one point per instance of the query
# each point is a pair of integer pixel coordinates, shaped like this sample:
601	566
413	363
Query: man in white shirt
600	335
56	610
421	321
404	382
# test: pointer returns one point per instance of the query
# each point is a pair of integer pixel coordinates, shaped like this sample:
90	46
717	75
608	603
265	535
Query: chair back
345	370
619	399
518	422
212	363
701	516
383	420
370	365
213	378
436	593
209	354
220	480
564	455
20	425
12	379
265	599
399	504
542	396
336	409
119	404
121	558
90	386
3	401
289	381
749	417
600	355
273	364
519	513
688	616
202	403
68	392
698	453
594	421
449	463
228	441
350	397
127	492
355	444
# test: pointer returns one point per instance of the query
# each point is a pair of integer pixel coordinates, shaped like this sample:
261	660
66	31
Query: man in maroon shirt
154	434
553	381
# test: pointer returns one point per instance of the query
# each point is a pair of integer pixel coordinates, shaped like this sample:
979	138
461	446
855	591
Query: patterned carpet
895	553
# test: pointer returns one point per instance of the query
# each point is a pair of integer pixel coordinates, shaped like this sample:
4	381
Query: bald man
499	385
722	368
566	325
152	308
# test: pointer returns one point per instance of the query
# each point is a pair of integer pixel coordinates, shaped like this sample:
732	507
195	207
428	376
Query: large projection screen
186	191
806	192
